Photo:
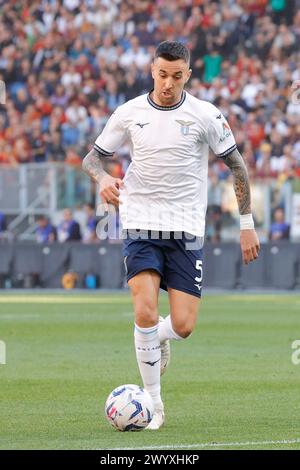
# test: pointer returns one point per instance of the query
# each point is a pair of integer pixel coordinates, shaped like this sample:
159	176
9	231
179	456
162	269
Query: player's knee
184	332
184	329
146	314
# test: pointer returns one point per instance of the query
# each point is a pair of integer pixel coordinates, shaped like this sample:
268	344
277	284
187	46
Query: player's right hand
109	190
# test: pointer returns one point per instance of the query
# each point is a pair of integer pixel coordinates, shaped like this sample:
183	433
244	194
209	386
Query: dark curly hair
172	50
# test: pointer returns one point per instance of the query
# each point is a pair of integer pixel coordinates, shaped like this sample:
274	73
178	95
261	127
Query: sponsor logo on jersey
185	126
226	132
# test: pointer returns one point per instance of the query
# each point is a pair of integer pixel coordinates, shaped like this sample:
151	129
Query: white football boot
158	419
165	353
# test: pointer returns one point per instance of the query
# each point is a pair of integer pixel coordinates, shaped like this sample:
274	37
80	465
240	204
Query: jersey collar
166	108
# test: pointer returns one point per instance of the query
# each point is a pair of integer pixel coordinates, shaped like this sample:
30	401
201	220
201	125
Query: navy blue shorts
178	259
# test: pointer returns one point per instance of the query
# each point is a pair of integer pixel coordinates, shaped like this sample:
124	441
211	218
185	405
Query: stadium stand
67	64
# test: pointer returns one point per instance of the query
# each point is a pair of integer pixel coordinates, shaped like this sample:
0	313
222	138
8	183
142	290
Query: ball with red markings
129	408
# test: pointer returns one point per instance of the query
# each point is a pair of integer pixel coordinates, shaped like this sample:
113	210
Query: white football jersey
166	181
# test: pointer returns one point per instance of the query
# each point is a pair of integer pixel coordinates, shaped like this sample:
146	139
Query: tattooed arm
93	165
241	185
249	240
109	187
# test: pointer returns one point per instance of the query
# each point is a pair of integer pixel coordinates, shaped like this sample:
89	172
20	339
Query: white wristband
246	222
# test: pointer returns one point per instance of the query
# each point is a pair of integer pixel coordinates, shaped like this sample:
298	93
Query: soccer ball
129	408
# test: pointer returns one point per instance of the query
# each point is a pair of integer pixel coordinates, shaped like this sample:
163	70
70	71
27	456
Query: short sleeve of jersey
112	136
219	135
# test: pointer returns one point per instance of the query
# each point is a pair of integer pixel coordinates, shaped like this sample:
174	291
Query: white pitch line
63	300
211	444
19	316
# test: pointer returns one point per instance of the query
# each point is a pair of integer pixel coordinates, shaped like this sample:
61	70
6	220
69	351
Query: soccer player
163	199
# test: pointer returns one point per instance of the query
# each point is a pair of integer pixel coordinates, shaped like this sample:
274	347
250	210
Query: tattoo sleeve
241	185
92	164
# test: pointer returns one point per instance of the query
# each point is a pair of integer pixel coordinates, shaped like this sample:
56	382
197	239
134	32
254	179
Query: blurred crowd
87	230
67	64
68	230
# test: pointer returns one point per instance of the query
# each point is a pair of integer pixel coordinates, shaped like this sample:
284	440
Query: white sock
147	347
166	331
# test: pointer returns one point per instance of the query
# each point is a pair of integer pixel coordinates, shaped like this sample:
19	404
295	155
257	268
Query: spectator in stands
89	234
212	65
68	229
214	223
2	222
37	142
45	231
54	149
72	157
214	211
280	230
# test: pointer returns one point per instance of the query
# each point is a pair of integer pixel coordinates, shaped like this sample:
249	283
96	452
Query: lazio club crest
185	126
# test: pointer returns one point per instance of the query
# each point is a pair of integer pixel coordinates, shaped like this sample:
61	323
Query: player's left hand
249	245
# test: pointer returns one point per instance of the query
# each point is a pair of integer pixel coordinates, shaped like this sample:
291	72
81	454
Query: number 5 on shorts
199	268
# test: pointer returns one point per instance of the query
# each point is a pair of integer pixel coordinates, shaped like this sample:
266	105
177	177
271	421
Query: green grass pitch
232	385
